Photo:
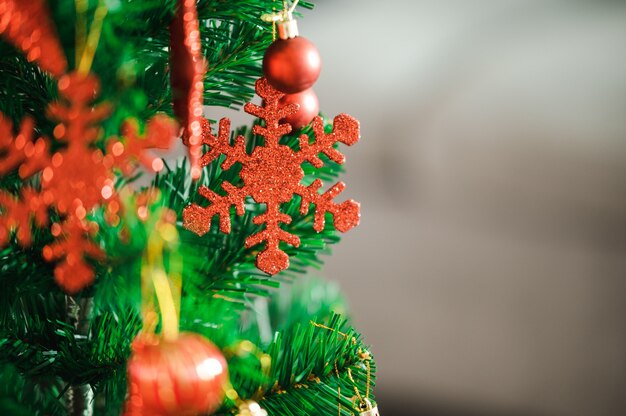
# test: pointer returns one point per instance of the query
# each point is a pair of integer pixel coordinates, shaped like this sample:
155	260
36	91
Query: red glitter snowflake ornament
272	175
75	179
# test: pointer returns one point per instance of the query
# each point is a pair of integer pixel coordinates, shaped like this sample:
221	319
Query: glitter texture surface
75	179
187	67
272	175
28	27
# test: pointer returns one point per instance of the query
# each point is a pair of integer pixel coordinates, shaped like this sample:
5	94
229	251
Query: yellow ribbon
155	281
86	44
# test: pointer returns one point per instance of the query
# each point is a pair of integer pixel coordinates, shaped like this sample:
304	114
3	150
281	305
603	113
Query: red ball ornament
309	108
181	377
292	65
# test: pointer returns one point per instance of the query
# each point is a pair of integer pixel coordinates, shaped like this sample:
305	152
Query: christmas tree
189	295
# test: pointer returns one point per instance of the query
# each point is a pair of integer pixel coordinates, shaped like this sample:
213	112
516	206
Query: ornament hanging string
80	28
86	44
332	330
364	402
367	386
156	283
283	15
93	38
339	406
273	24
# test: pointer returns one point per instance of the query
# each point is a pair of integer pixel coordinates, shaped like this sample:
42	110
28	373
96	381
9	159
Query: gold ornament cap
287	25
367	409
288	29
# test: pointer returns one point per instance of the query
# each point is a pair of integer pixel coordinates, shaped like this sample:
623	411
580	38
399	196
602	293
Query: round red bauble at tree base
292	65
183	377
309	108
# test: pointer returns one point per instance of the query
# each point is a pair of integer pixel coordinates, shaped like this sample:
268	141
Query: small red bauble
182	377
309	108
292	65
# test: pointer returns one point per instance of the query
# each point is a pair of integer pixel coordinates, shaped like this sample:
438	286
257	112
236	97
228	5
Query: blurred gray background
489	271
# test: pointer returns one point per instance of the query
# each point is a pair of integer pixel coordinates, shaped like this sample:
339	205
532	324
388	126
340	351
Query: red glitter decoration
19	213
27	25
187	67
73	272
187	376
160	130
30	155
309	108
272	175
74	180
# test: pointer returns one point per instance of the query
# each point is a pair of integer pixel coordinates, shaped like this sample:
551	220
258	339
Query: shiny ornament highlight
272	175
186	376
292	65
368	409
309	107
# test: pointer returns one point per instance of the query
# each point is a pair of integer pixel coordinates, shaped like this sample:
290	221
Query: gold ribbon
86	44
157	283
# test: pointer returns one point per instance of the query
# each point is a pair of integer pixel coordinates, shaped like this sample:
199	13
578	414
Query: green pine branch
21	395
314	371
43	352
216	265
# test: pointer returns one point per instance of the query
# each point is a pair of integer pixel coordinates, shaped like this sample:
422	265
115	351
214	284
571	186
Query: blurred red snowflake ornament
135	148
30	156
74	180
272	175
